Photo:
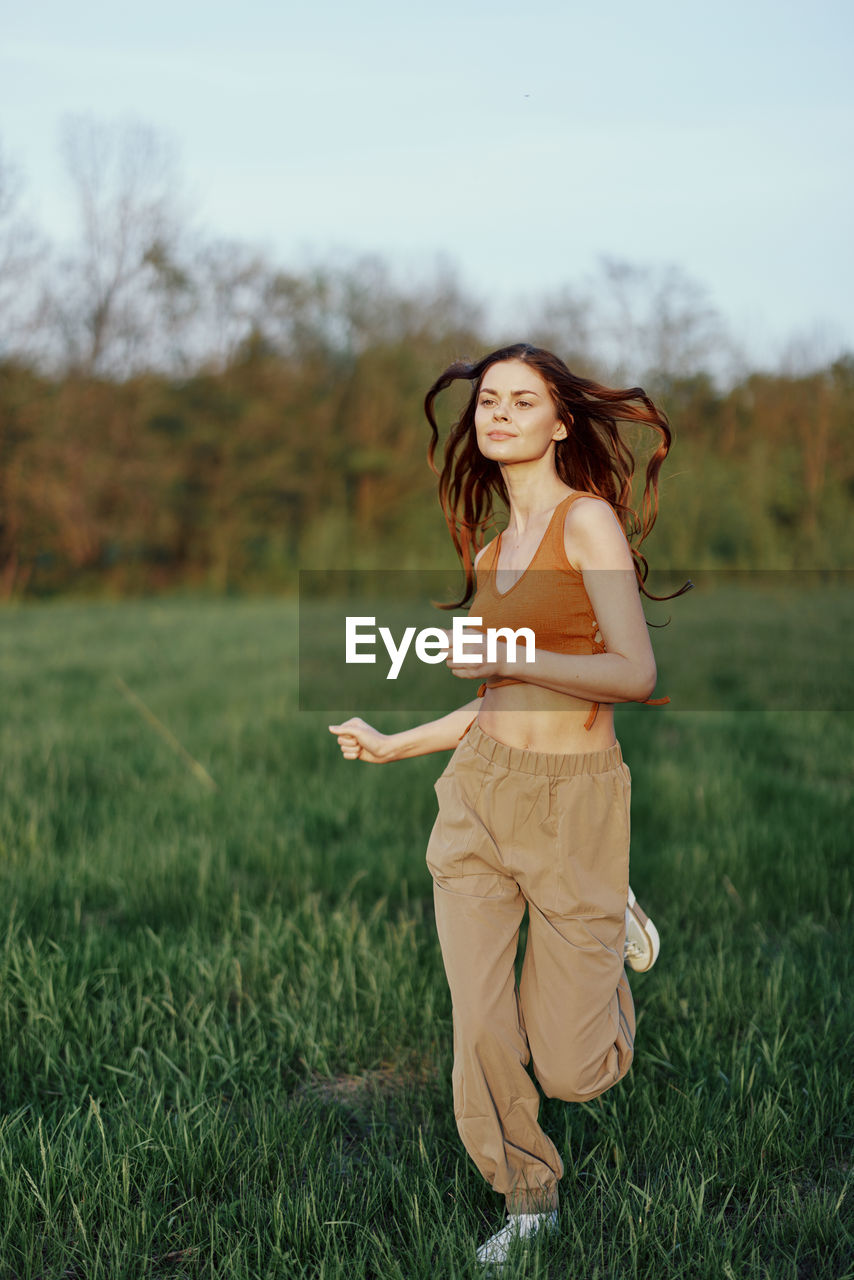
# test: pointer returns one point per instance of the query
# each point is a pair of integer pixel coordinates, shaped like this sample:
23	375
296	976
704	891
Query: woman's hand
359	741
481	670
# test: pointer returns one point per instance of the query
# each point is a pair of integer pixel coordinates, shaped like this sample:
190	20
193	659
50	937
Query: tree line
179	411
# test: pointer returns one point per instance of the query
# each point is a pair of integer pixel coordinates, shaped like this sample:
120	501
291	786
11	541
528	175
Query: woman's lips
500	435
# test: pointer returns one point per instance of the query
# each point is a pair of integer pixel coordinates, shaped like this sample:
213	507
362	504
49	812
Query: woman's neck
531	496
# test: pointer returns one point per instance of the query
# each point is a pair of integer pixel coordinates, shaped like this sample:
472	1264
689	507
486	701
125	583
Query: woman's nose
500	413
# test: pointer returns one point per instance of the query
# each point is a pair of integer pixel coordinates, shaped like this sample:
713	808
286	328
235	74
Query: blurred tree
106	300
634	324
22	249
221	297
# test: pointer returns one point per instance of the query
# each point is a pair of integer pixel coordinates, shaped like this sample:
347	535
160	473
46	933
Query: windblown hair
593	458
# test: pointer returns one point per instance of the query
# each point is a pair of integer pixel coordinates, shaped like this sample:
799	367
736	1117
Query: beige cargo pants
519	828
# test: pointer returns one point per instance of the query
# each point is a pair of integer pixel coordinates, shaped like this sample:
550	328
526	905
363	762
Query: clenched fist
360	741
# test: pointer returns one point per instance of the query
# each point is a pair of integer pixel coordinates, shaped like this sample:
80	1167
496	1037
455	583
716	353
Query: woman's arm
596	545
360	741
598	677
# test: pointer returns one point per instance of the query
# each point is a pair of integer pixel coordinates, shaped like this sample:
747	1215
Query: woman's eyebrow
490	392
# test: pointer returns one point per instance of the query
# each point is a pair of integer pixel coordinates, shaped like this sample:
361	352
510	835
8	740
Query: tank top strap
550	552
487	560
552	544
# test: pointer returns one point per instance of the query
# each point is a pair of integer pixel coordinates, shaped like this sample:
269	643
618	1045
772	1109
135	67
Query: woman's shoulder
582	498
587	508
593	535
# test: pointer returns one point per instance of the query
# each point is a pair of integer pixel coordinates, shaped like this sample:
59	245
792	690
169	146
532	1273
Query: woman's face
515	417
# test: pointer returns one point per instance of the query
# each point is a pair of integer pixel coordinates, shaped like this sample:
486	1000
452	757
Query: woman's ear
565	424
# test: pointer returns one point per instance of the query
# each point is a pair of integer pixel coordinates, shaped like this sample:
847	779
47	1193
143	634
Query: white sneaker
642	941
519	1227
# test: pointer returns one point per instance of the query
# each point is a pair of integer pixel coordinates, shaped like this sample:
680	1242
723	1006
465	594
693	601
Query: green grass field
225	1026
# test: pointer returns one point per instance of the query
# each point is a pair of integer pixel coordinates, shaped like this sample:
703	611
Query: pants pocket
453	830
593	845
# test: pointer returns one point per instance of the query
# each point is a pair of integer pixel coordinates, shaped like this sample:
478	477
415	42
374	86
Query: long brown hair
593	458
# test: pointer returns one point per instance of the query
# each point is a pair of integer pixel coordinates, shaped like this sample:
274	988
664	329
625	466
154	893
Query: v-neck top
549	597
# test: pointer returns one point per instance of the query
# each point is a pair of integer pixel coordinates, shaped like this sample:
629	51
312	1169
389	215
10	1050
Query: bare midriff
538	719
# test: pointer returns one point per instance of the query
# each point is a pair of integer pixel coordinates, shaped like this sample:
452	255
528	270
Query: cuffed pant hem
542	1200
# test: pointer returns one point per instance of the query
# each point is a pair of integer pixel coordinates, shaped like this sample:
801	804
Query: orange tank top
549	597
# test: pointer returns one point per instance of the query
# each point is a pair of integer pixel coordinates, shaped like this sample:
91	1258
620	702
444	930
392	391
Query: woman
534	806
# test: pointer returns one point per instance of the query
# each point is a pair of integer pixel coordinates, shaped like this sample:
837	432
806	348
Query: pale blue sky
519	145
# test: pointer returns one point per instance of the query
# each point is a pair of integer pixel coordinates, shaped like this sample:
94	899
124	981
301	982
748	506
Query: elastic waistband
552	764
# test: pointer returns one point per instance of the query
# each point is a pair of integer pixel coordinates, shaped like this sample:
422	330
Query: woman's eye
486	400
526	404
